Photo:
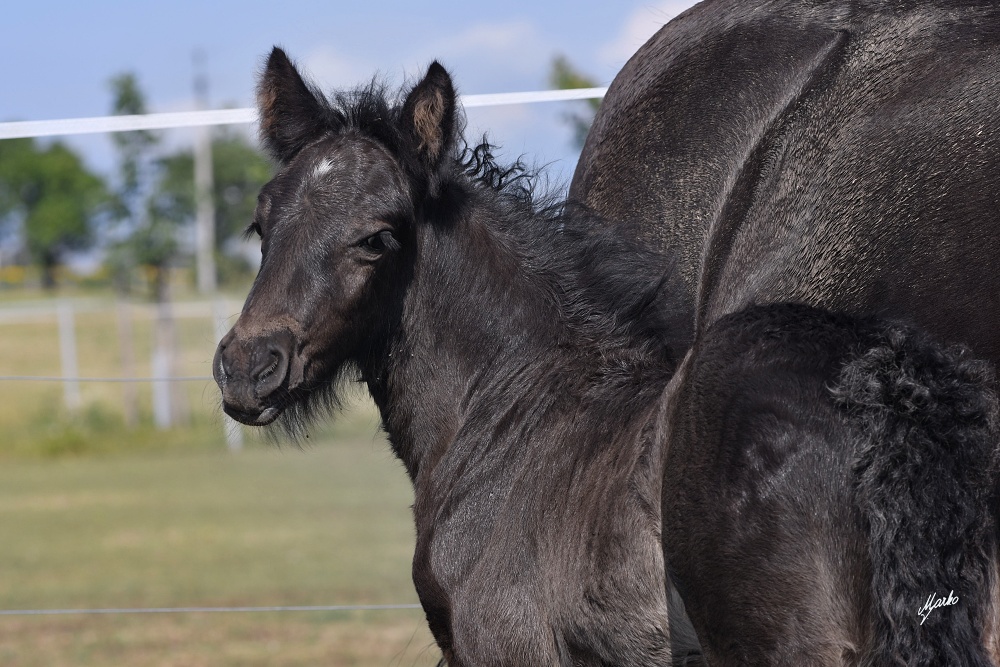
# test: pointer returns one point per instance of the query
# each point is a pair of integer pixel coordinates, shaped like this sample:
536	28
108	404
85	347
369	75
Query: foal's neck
469	317
499	306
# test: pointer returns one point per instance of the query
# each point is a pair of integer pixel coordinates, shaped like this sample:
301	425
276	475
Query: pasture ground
326	525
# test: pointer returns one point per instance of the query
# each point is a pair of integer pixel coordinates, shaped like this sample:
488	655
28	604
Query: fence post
233	431
67	355
161	365
130	396
205	219
203	186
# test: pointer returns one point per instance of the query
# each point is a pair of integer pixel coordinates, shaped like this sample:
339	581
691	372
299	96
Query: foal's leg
991	632
763	590
501	631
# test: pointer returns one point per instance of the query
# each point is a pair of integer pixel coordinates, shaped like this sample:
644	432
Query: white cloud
492	51
499	123
640	25
488	37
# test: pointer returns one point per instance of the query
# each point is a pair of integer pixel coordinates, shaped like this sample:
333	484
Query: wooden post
169	399
205	222
205	219
130	395
67	354
160	363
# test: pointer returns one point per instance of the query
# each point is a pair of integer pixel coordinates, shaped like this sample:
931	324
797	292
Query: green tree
54	196
149	234
14	154
238	173
564	76
134	148
157	193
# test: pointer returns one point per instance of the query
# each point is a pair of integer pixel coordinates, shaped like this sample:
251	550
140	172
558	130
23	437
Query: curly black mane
515	180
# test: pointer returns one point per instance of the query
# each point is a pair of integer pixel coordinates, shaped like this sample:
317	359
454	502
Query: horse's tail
925	478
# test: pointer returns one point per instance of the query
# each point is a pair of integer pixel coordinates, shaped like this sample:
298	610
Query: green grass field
322	526
94	514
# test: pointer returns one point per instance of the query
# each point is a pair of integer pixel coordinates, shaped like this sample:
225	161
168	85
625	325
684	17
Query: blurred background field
98	514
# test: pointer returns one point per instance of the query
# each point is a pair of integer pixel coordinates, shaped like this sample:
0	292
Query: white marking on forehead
324	166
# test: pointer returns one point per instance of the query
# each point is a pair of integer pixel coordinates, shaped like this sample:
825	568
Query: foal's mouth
262	418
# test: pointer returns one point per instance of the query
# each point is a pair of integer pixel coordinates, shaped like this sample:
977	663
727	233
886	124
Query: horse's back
839	154
685	113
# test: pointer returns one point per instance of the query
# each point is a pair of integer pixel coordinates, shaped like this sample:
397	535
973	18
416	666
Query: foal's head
336	233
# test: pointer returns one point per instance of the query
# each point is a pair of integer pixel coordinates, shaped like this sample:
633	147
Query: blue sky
59	56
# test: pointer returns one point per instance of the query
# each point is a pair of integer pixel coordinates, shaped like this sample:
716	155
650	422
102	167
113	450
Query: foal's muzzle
253	375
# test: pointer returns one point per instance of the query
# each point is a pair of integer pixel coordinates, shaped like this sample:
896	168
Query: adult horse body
839	154
842	154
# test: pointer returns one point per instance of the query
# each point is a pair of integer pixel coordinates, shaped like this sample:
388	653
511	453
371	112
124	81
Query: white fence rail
162	121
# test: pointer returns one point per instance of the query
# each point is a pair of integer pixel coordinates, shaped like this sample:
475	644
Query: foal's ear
429	117
291	115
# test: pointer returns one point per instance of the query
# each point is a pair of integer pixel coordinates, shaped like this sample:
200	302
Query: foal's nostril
266	367
250	372
270	371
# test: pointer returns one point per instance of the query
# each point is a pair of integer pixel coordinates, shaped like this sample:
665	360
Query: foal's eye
381	242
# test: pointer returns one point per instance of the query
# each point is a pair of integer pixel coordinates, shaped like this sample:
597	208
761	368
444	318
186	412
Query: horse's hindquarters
759	525
826	474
